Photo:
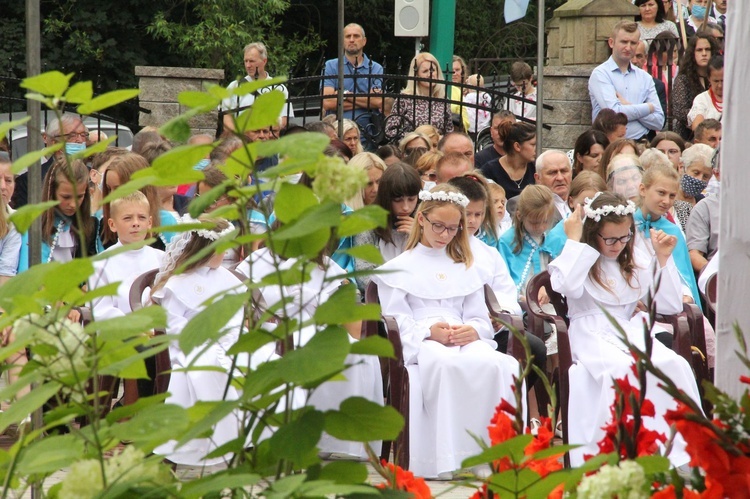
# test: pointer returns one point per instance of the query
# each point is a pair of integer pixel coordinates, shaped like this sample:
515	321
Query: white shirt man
255	60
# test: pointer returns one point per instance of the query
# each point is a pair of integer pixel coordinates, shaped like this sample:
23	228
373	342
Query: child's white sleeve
569	271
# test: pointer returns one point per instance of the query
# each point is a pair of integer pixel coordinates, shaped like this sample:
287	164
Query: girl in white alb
183	296
363	377
600	267
456	378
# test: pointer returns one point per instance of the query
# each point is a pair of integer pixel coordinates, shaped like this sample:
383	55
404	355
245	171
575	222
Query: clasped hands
458	335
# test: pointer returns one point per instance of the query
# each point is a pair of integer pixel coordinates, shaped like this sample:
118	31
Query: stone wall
576	43
566	90
160	87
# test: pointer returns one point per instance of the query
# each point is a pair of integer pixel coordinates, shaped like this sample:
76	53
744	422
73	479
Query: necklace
529	261
52	247
718	104
517	182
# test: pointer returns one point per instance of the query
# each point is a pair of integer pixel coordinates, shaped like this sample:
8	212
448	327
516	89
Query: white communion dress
183	297
453	390
363	376
599	355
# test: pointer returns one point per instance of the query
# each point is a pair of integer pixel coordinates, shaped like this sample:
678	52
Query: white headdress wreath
607	209
177	245
452	197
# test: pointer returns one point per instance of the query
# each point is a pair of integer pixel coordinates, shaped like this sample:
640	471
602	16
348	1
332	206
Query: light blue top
10	250
23	260
364	84
635	86
680	254
488	239
517	261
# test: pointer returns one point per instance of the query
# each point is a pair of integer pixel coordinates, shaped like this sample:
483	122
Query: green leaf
285	487
201	203
373	345
80	92
133	324
175	167
200	100
297	440
24	216
241	162
292	201
364	219
51	83
128	188
154	425
248	87
65	277
33	157
209	323
127	411
177	129
512	449
512	480
322	356
50	454
108	99
653	464
324	488
100	146
366	252
344	472
9	125
360	420
314	219
298	145
122	360
210	486
309	245
343	307
264	112
27	404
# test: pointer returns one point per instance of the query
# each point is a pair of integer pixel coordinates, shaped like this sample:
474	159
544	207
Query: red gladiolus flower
501	425
404	480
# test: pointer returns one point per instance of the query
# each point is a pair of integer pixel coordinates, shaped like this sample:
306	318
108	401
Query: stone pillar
576	43
160	87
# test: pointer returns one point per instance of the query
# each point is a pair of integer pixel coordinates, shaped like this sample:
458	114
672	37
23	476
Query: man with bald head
553	170
457	142
360	79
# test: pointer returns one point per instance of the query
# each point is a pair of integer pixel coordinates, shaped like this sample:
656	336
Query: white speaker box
412	18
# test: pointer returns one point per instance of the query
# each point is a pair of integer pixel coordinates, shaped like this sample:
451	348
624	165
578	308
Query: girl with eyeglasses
435	291
601	268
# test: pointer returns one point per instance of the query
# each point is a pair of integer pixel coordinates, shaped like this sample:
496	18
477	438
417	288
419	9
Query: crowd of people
629	204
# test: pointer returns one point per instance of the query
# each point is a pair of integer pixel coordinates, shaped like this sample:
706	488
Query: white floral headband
452	197
209	234
607	209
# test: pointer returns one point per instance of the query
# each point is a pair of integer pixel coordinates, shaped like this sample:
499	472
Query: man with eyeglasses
69	129
457	142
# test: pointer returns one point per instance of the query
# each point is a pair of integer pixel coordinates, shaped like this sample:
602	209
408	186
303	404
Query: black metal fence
385	114
13	107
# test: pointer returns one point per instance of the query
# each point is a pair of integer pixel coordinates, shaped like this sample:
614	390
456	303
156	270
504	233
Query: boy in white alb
130	219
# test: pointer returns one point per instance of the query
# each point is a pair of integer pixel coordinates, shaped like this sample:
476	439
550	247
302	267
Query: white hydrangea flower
84	479
67	338
337	181
626	481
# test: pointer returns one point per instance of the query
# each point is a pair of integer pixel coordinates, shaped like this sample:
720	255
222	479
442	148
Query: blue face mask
698	12
201	165
74	147
692	186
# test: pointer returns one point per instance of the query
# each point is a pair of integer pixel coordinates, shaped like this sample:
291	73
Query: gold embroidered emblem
199	289
441	276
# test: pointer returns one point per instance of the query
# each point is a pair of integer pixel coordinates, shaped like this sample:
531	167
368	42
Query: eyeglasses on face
75	135
611	241
439	228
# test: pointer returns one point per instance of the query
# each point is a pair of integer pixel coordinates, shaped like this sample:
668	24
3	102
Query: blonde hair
475	81
351	125
431	133
665	171
428	161
458	249
535	201
652	157
412	88
413	136
496	190
136	197
367	161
